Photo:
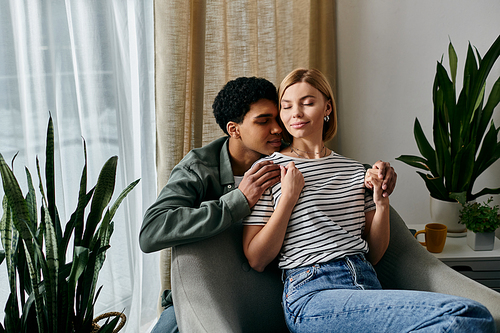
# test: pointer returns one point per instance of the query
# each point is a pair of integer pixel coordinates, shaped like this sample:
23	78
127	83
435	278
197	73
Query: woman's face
303	108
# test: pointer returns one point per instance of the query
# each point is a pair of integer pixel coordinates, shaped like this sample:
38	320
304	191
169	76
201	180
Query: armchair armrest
408	265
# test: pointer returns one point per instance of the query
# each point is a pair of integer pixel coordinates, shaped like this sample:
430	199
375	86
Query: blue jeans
167	322
345	296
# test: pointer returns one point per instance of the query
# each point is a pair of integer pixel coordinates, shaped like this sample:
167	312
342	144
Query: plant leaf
15	197
102	196
435	187
424	147
414	161
453	61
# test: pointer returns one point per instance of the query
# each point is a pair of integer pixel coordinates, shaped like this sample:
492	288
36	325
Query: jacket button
229	186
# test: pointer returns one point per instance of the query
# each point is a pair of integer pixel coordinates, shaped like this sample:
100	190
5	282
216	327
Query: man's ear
233	129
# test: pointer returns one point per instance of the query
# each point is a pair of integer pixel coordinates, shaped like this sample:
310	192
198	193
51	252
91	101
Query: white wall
387	55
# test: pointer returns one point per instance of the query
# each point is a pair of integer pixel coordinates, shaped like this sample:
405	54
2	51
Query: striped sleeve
369	203
262	211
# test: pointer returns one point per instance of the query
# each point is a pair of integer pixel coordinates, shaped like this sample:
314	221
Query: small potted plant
481	221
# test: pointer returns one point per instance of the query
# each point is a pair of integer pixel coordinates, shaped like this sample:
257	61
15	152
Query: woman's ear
233	129
329	107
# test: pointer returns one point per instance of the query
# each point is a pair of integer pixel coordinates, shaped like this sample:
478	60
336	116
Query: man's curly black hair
233	101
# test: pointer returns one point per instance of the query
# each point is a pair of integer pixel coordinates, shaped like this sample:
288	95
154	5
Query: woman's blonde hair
316	79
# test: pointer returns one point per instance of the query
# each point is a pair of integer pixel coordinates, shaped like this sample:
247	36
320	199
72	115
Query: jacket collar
225	168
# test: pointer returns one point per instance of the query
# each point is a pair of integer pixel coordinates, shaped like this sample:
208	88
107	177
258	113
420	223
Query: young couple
324	244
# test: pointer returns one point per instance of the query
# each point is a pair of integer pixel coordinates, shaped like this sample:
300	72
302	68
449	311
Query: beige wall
387	54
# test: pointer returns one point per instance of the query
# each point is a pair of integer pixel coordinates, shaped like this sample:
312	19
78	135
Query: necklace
295	151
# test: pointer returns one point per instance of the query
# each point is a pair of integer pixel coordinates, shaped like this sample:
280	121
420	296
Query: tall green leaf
10	236
50	179
40	315
102	196
52	256
15	197
453	61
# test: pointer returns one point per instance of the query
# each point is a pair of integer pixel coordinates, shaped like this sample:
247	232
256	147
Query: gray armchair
215	290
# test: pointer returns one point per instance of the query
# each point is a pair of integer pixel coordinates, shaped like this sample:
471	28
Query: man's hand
257	179
387	173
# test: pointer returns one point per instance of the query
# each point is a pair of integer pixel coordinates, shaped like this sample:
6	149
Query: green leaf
50	179
461	197
489	152
52	268
121	197
463	168
31	201
10	237
414	161
35	282
453	61
102	196
487	112
109	326
83	200
80	260
485	66
435	187
15	197
424	147
485	191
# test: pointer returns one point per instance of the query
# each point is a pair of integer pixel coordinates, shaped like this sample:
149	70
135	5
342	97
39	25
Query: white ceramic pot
447	213
481	241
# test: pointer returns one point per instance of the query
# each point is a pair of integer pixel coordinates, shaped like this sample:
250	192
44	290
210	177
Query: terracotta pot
446	213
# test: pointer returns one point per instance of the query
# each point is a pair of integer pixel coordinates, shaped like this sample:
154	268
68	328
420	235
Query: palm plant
48	294
465	138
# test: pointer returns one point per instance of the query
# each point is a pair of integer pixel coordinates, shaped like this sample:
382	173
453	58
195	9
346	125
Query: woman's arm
261	244
377	228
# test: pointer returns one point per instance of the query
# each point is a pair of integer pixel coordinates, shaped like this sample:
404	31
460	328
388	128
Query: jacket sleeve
181	214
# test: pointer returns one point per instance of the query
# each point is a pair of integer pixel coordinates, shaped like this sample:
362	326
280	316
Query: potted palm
465	138
481	221
49	293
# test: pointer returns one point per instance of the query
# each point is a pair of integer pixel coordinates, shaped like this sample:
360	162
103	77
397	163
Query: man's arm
191	209
181	214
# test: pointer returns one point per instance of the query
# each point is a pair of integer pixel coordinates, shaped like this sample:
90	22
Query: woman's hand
261	244
372	176
292	183
387	174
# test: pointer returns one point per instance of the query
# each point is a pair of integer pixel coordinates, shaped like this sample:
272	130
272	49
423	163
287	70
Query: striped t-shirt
329	218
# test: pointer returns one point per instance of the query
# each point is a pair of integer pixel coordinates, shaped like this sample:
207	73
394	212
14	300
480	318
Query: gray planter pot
481	241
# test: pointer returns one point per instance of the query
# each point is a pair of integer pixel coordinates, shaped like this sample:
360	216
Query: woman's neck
309	150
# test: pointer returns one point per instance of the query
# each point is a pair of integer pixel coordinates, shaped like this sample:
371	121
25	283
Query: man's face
260	131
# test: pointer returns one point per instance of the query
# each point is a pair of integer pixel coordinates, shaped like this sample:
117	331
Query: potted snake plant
465	138
49	293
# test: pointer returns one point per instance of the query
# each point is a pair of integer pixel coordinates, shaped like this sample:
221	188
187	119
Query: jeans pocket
297	279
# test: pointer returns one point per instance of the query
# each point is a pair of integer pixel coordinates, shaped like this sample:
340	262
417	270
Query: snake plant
466	140
47	292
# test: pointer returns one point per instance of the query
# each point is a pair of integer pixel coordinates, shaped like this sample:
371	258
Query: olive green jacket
199	201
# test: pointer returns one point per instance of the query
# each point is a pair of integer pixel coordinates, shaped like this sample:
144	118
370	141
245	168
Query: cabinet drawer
474	265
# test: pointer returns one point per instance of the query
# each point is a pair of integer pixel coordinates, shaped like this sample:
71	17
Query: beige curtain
200	45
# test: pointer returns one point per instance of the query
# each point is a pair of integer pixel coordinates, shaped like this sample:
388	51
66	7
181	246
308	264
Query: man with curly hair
216	185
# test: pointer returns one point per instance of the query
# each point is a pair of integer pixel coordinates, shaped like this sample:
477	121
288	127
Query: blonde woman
327	231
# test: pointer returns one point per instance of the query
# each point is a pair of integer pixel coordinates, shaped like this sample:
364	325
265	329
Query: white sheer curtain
90	65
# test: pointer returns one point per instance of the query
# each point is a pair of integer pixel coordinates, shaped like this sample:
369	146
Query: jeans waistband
287	272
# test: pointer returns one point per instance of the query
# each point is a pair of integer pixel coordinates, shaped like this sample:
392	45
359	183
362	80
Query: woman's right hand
292	182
